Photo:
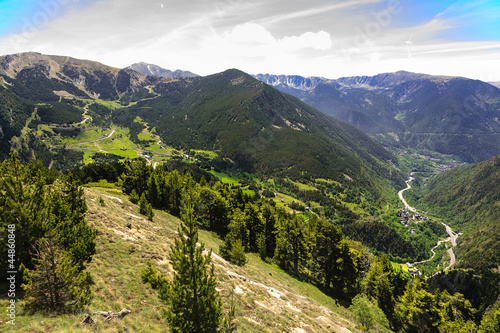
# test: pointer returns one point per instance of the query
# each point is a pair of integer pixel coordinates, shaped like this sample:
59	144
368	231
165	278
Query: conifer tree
289	244
379	285
56	284
195	304
417	308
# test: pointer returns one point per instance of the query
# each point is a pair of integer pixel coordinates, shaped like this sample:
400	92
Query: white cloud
250	33
319	41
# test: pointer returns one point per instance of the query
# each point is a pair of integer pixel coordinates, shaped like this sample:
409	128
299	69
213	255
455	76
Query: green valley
112	178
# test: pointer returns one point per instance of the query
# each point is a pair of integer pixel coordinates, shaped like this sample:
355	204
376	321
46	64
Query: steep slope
451	115
267	299
469	197
14	112
46	78
151	69
261	129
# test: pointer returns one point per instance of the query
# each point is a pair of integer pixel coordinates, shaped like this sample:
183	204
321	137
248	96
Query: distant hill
150	69
450	115
261	129
468	197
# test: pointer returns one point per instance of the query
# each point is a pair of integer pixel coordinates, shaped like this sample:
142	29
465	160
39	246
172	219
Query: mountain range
450	115
259	128
250	124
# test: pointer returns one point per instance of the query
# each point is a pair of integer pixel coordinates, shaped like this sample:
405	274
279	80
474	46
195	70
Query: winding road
452	235
400	194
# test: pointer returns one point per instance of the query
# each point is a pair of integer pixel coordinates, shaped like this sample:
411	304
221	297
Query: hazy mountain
295	85
451	115
150	69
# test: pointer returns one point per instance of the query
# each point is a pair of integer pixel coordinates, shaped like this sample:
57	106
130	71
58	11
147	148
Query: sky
327	38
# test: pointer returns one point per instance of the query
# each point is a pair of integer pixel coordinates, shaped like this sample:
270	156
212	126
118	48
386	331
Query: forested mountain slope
469	198
450	115
261	129
252	125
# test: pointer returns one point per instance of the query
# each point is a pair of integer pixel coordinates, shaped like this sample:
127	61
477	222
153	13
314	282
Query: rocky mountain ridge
155	70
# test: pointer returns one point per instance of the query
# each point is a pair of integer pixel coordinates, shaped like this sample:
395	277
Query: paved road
453	238
400	194
452	235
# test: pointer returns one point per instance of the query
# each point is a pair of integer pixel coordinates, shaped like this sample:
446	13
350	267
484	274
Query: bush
367	312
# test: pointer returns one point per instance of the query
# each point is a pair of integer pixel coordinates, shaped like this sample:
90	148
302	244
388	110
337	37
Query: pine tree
56	284
143	205
379	285
195	304
289	244
417	308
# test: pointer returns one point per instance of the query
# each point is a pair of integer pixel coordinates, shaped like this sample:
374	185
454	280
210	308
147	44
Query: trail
452	235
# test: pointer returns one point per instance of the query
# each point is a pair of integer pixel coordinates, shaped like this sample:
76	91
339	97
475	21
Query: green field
225	178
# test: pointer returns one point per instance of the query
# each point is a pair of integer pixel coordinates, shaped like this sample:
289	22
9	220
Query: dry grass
267	299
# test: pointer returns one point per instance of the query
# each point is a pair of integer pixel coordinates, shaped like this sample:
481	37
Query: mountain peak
155	70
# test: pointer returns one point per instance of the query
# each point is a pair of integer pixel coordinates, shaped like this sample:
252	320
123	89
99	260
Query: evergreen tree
254	225
418	309
37	210
238	227
22	195
143	204
269	219
379	285
491	320
289	243
195	304
56	284
367	312
326	252
347	281
136	177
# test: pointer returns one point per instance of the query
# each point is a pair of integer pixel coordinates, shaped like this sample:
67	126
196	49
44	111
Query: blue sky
329	38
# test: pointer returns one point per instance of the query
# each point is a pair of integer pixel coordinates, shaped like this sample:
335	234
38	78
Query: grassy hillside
267	299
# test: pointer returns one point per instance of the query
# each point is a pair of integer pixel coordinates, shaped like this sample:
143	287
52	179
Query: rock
88	319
